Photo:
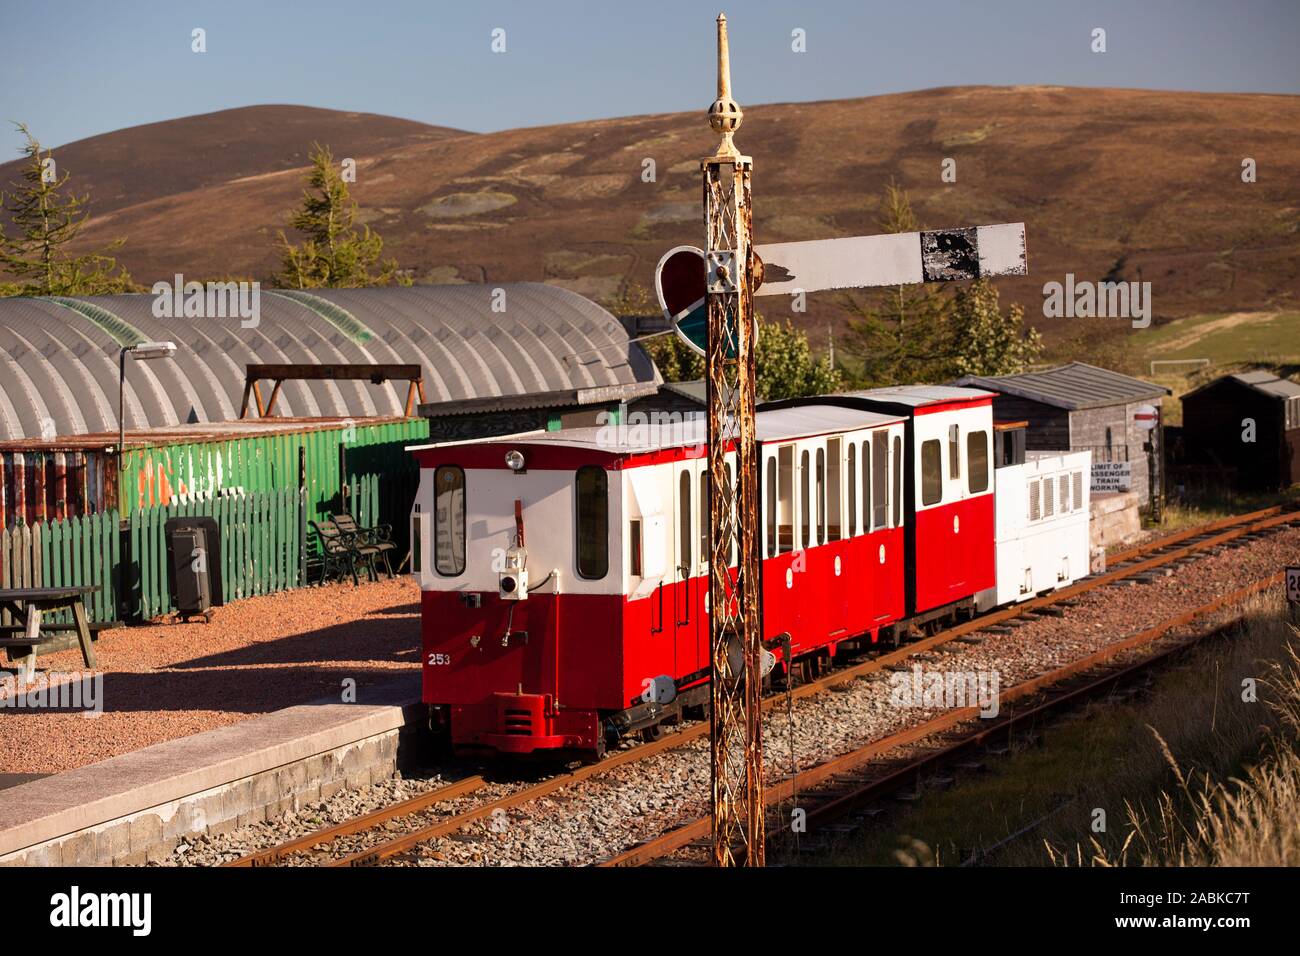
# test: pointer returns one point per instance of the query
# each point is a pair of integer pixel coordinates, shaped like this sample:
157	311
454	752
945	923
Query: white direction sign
905	258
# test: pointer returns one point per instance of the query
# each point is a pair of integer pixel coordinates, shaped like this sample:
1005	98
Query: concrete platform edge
135	807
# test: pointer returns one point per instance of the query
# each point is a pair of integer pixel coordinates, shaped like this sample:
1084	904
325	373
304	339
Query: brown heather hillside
132	166
1123	182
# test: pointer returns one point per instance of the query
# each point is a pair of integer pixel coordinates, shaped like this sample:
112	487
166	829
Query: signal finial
724	115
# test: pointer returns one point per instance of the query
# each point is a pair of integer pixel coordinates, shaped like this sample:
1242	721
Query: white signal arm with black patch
905	258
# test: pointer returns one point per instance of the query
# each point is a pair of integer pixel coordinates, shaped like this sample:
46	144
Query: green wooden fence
261	546
263	550
265	545
75	552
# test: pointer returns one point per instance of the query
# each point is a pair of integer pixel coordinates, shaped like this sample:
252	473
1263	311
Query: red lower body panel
539	674
956	551
523	723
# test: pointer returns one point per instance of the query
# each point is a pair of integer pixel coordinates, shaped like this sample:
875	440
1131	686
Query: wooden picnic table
28	604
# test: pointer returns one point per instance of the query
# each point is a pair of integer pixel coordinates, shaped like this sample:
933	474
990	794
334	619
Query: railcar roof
783	424
920	395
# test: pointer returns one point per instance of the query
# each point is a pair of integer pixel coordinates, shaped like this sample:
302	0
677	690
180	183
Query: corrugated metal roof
1268	383
1075	386
695	390
60	375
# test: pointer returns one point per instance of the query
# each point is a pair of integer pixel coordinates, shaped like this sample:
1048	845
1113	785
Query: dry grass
1246	820
1192	510
1187	774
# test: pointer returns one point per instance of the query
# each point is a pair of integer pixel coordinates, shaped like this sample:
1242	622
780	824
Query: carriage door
839	564
684	558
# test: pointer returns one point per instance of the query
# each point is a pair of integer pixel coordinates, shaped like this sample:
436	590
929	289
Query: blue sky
83	67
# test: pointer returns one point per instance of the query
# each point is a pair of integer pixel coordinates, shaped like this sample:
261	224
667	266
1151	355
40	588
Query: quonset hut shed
482	349
60	355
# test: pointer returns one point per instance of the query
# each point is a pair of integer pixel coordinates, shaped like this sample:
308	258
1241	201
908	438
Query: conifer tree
984	341
44	220
784	366
332	254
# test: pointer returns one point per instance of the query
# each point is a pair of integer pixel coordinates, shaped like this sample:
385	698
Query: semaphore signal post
716	318
737	753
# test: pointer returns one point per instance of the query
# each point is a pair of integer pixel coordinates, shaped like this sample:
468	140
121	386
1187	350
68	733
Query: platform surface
56	805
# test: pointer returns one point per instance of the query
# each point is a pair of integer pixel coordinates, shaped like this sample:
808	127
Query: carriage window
684	538
898	482
449	520
769	495
834	509
977	461
954	452
805	499
704	515
593	522
866	485
880	480
931	472
785	484
634	541
821	495
851	476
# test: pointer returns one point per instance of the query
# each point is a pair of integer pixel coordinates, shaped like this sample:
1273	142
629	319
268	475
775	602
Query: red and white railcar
564	574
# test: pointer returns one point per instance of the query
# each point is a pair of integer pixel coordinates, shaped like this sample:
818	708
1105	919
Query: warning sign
1111	476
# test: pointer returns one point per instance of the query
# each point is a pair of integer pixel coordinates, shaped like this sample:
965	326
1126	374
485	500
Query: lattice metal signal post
735	271
736	729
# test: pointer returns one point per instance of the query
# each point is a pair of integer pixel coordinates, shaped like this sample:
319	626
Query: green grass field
1240	338
1231	342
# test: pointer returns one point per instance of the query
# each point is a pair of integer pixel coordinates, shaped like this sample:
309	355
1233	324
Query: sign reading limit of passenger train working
1110	476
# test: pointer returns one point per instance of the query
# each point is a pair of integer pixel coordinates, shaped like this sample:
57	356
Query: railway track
839	786
427	816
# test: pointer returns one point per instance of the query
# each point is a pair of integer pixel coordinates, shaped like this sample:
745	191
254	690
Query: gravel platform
163	681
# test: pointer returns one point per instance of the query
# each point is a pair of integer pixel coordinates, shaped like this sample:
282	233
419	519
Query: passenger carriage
947	483
564	574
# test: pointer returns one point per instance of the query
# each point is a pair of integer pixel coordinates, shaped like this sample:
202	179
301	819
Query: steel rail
328	834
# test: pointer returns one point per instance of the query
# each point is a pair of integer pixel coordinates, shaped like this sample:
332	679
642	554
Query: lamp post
141	351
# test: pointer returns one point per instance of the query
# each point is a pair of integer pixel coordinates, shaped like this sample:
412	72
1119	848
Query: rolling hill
1122	183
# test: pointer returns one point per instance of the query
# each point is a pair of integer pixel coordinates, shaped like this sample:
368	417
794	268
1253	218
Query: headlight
515	459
